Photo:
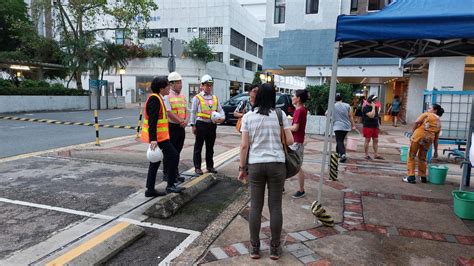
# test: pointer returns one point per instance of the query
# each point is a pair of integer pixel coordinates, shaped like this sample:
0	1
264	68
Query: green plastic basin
437	174
464	204
403	153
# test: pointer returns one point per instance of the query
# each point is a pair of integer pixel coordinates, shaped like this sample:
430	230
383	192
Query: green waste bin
404	153
437	174
464	204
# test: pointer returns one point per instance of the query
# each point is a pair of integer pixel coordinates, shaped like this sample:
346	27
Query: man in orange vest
204	129
177	110
156	132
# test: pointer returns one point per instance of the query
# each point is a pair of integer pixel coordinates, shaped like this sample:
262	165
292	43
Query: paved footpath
379	219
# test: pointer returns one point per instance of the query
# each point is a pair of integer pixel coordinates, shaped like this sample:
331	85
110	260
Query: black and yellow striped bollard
96	119
139	123
333	165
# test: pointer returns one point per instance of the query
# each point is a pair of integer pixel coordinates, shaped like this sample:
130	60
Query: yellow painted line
74	253
195	180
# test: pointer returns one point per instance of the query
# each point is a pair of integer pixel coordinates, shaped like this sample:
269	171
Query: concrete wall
16	104
446	73
416	86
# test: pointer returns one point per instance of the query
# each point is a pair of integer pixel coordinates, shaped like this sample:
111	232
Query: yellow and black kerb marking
56	122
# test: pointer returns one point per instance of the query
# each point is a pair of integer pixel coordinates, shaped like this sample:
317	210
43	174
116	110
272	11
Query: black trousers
177	136
205	133
170	158
340	136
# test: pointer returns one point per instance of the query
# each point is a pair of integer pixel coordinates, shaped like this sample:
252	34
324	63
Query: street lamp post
121	72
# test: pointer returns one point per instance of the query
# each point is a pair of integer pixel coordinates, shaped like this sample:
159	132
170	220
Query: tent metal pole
331	101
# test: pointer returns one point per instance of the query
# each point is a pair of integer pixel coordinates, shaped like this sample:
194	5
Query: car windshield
236	99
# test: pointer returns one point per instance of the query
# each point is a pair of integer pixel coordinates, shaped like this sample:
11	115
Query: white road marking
115	118
179	249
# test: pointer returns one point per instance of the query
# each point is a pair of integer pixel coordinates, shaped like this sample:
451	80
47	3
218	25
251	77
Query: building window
251	47
173	30
375	5
354	5
249	65
260	52
259	68
279	16
119	37
213	35
152	33
193	90
236	61
237	40
312	6
219	57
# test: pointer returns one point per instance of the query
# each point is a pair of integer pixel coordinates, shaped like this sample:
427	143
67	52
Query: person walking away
261	141
178	117
343	124
203	128
370	128
425	132
156	132
246	105
298	128
394	110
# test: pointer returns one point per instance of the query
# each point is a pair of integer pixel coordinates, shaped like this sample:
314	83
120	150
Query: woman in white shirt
261	141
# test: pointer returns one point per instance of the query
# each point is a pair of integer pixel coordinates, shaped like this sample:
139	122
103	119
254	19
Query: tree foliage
199	49
319	96
12	12
81	20
256	78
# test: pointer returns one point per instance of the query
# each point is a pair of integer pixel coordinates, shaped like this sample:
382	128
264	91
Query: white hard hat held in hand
154	156
217	118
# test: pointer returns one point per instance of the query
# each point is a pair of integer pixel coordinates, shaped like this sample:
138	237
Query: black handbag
293	159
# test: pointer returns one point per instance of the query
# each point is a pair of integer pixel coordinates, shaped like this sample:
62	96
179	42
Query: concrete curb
198	248
171	203
89	253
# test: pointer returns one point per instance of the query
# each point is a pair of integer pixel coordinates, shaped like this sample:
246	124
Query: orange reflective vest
162	132
178	105
207	106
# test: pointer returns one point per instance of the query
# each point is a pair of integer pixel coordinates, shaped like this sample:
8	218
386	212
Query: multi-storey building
299	40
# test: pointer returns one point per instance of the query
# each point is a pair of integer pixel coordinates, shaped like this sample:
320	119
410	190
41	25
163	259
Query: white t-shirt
264	137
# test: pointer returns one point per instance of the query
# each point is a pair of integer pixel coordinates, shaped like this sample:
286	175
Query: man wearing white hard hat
178	117
204	122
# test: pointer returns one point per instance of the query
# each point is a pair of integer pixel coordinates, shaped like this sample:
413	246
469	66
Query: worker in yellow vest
204	129
178	117
155	131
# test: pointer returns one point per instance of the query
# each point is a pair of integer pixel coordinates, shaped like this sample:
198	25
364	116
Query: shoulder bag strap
282	130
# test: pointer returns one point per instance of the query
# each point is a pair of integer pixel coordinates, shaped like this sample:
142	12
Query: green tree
81	20
199	49
11	13
256	78
109	56
319	96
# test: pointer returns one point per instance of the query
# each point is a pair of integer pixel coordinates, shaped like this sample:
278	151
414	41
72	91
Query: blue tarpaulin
441	27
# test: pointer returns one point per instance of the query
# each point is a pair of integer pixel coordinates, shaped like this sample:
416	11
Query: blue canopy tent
404	29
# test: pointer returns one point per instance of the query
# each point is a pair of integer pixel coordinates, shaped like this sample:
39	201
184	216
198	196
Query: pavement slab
236	232
285	259
426	216
363	248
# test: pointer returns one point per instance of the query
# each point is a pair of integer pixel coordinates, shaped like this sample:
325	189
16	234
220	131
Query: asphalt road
24	137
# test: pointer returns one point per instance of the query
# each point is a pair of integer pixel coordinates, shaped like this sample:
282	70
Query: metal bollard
333	165
96	119
139	121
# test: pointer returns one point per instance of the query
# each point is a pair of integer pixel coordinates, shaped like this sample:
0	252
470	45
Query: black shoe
409	179
198	171
212	170
175	189
255	250
180	179
343	158
423	179
298	194
165	177
154	193
275	251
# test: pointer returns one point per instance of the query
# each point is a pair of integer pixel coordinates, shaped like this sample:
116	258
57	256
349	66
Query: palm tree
109	56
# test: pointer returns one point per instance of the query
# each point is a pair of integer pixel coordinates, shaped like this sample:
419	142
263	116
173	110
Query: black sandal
255	250
275	251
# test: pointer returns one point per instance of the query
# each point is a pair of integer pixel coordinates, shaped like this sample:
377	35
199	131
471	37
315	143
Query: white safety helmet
206	79
154	156
174	76
215	116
